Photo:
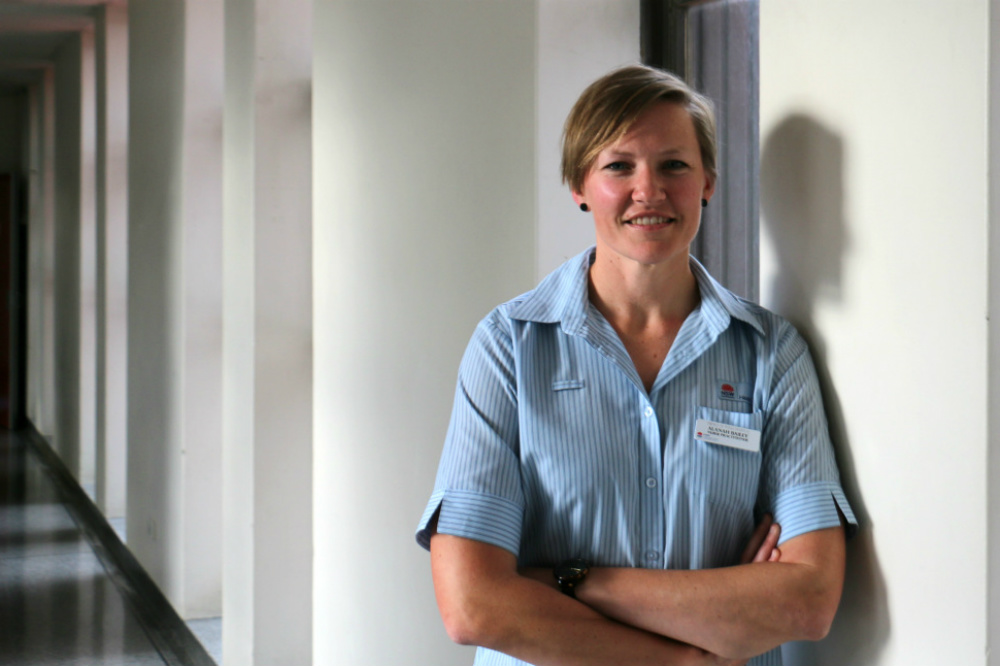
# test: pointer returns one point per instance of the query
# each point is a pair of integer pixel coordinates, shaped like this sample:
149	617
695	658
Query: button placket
651	538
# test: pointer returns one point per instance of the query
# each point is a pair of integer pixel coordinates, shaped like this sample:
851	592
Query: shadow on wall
802	197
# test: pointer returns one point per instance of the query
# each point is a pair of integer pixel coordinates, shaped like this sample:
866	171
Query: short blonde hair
609	107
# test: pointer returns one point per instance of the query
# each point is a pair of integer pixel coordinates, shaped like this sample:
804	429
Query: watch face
571	571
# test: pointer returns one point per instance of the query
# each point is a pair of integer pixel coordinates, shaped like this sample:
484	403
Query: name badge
727	435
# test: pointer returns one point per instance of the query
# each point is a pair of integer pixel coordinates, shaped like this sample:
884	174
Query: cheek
607	191
687	189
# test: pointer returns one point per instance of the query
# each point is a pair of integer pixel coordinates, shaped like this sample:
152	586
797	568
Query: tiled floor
58	604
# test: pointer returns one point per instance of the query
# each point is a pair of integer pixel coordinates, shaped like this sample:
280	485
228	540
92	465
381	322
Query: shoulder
776	330
561	297
775	341
772	333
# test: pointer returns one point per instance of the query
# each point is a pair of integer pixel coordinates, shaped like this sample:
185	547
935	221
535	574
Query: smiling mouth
650	221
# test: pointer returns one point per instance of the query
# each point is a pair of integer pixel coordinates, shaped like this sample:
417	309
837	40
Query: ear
577	197
709	188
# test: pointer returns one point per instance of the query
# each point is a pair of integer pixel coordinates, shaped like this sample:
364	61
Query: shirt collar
562	297
717	302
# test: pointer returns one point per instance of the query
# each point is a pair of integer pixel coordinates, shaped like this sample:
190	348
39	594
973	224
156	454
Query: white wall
578	41
993	484
436	190
424	220
874	203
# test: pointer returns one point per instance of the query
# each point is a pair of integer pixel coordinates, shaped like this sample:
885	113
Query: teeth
647	221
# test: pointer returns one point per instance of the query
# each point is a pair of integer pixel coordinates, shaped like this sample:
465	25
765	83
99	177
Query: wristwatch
570	575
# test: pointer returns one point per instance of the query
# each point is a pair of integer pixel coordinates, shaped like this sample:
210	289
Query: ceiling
31	32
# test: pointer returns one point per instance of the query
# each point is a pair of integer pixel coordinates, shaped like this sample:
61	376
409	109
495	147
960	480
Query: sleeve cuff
487	518
812	507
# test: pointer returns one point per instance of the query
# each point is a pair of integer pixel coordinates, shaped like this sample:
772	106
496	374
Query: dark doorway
13	255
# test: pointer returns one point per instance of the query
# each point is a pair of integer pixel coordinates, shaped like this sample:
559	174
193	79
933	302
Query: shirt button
650	482
648	411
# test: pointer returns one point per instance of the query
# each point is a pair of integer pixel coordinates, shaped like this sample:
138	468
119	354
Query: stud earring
704	203
584	207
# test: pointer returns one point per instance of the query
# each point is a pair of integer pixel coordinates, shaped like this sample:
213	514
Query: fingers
770	546
757	539
763	544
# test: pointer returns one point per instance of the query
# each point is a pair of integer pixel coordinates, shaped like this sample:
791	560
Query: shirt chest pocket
724	471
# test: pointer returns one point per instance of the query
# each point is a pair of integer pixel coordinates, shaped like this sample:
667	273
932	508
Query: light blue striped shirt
555	449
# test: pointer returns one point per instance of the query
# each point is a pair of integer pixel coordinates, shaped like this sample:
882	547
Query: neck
633	295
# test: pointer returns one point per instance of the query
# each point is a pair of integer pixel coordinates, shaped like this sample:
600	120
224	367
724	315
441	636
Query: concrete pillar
111	51
268	358
66	267
88	263
41	249
174	298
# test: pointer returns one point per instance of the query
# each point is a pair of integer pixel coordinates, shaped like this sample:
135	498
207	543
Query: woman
618	431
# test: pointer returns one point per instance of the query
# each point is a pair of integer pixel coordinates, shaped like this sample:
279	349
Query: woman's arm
738	611
484	601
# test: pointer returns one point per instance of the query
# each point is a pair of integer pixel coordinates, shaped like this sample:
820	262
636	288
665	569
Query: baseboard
166	630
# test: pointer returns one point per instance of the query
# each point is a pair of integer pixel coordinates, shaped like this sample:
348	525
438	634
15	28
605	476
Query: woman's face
645	190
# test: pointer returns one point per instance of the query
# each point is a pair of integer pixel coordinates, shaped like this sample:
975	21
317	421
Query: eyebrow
664	153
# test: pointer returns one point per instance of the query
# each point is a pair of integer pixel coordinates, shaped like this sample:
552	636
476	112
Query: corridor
70	594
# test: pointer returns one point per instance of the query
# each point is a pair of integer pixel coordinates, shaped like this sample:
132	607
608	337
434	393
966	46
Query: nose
647	188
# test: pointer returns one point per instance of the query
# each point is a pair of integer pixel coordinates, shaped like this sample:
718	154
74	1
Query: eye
674	165
617	166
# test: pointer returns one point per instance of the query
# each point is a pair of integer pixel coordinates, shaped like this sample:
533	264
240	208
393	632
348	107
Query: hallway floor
60	602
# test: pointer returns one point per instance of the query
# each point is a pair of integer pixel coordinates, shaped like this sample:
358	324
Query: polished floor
63	599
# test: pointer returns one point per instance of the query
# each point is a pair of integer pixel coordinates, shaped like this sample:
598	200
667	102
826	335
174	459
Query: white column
268	359
41	249
201	294
112	256
88	262
174	284
66	268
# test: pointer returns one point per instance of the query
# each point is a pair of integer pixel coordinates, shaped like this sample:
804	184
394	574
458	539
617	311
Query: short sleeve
477	493
800	483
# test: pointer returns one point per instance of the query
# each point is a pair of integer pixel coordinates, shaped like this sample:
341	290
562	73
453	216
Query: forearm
736	611
493	606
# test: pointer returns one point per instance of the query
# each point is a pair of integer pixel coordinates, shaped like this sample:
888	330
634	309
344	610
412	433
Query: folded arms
640	616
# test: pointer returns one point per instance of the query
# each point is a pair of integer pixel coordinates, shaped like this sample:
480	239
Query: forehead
663	126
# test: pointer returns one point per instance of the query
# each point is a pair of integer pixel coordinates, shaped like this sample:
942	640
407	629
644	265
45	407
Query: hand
763	545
